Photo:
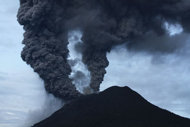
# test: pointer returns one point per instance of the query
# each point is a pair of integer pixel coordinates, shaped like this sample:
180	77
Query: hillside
114	107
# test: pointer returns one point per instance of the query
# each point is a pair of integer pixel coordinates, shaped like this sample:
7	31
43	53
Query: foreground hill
114	107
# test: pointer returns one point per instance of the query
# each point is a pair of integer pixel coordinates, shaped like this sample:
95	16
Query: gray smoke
50	105
80	75
140	24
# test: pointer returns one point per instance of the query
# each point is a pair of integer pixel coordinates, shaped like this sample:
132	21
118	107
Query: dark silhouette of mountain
114	107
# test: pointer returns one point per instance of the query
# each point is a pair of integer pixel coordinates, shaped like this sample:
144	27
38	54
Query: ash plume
104	23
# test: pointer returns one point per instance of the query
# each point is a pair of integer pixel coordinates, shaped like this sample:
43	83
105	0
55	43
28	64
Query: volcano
114	107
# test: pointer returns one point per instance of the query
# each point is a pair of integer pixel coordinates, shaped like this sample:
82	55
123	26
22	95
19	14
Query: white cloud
173	29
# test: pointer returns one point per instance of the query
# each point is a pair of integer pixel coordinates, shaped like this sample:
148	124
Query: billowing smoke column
104	23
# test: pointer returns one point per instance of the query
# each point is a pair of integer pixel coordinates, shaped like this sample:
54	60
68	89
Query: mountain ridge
114	107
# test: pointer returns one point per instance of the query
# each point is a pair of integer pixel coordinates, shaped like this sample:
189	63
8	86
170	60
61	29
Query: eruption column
105	24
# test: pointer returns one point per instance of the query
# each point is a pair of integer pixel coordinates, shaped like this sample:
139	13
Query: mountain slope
114	107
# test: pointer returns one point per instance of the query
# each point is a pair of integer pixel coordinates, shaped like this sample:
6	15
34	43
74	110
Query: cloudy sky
163	80
22	94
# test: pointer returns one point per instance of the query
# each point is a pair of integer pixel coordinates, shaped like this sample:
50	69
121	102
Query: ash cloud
105	24
155	45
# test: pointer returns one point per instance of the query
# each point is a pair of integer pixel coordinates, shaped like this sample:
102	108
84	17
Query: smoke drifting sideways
139	24
49	106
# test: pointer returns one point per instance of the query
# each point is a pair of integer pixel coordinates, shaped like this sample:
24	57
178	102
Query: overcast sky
163	80
22	94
